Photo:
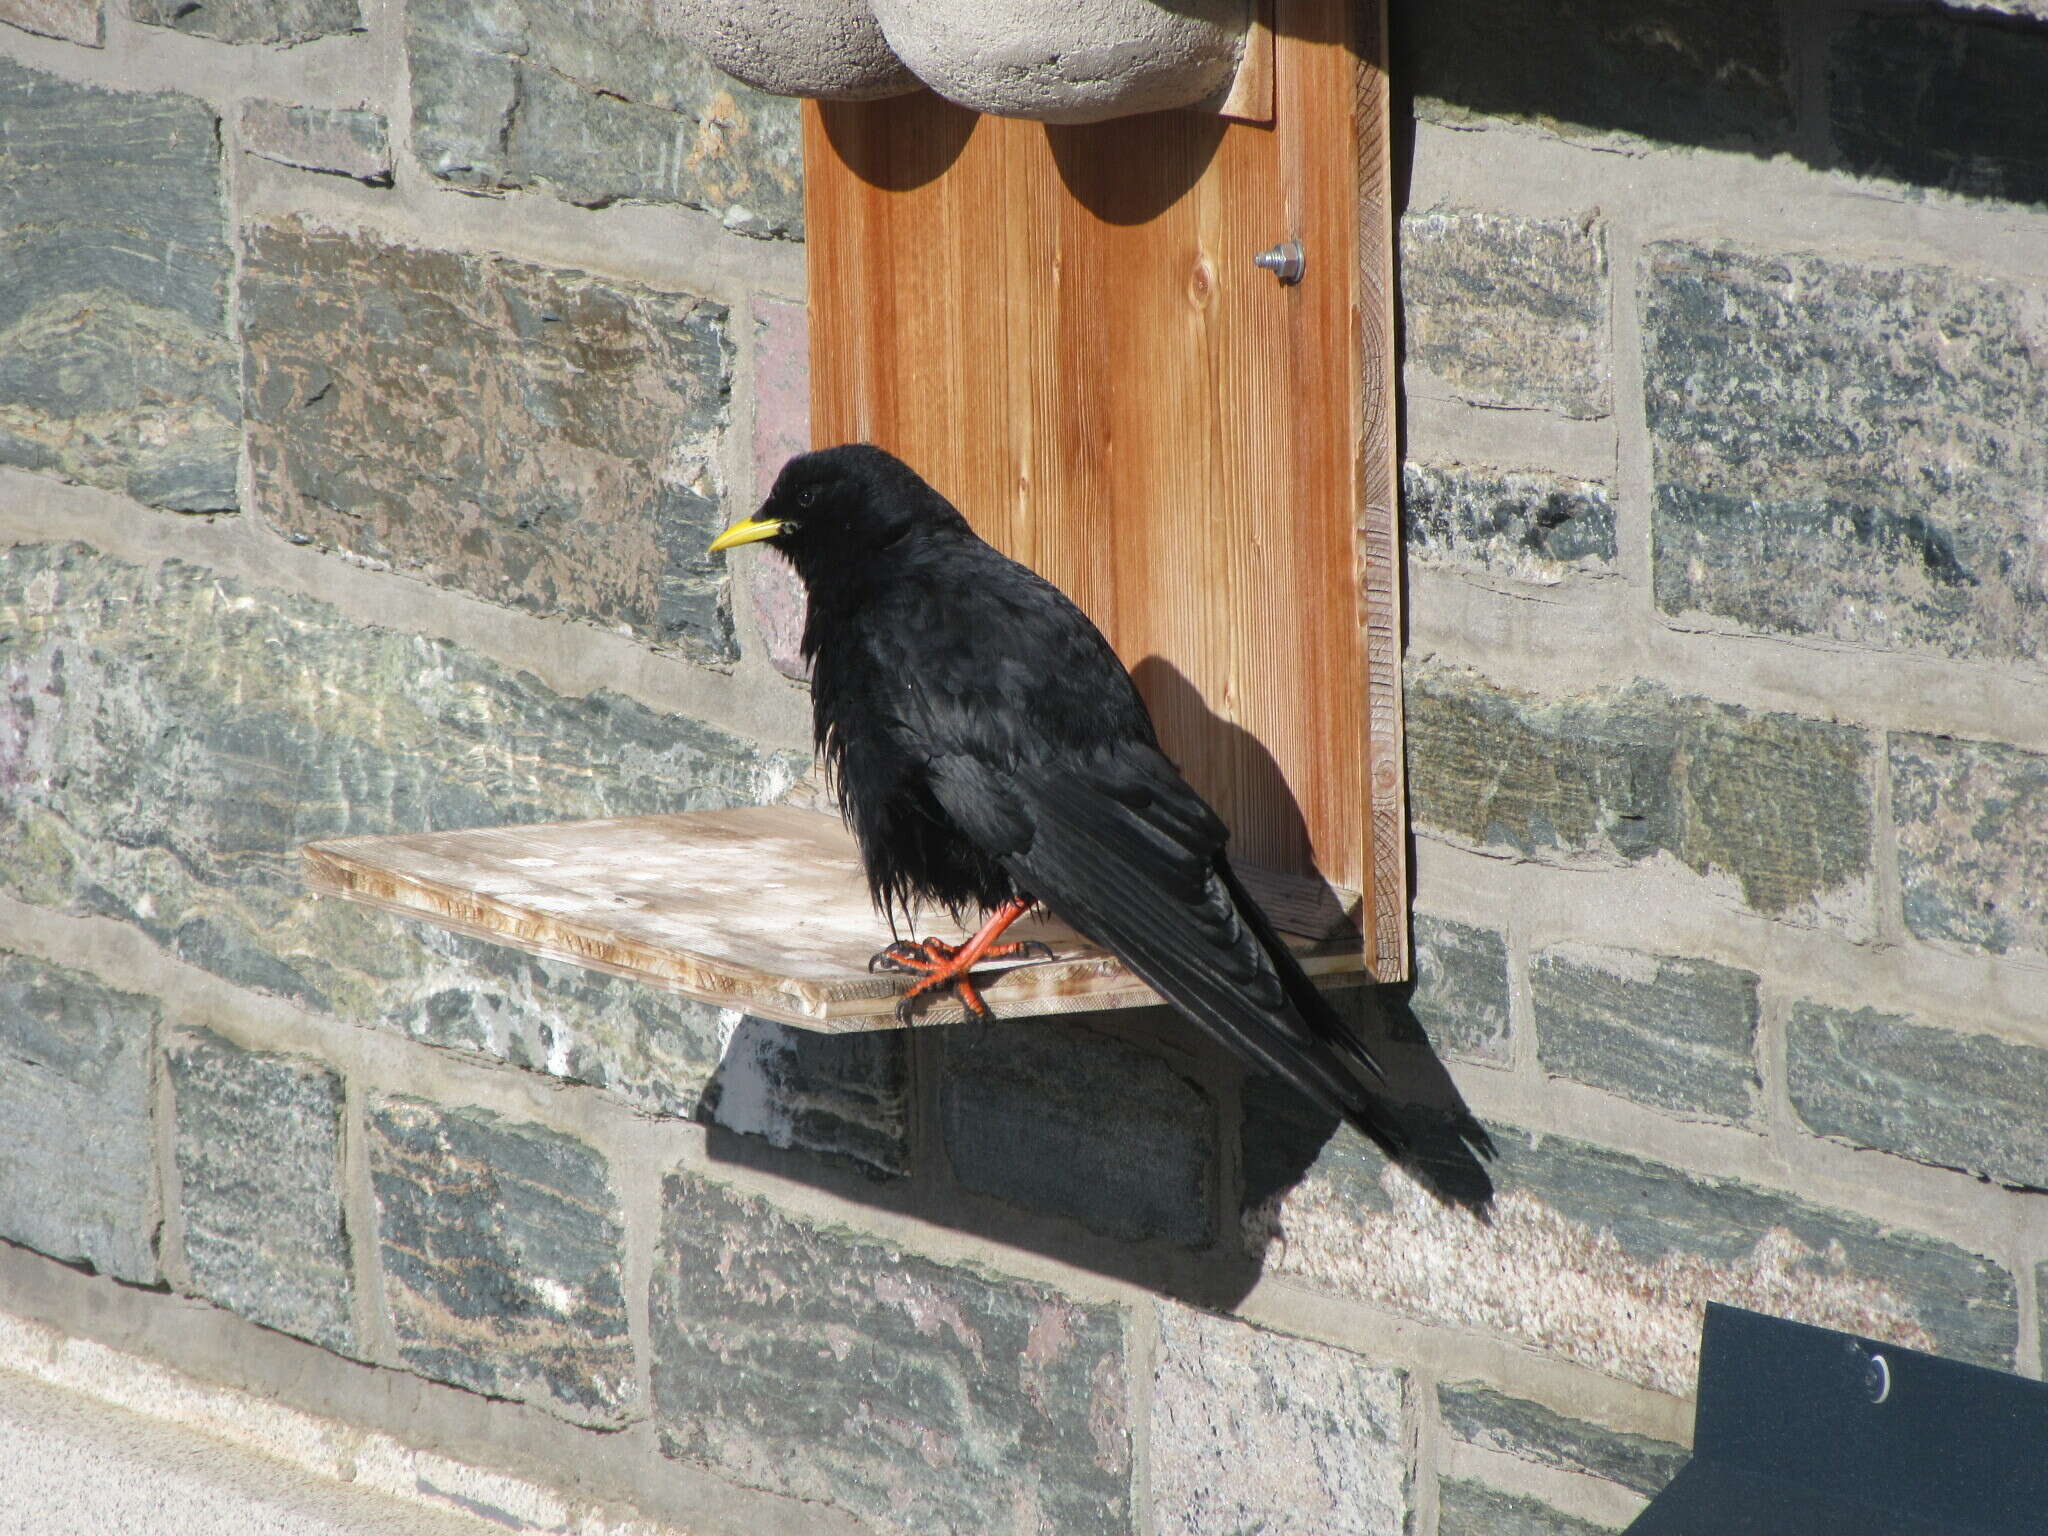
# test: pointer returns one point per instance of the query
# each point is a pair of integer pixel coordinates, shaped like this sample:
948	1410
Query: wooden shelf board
763	909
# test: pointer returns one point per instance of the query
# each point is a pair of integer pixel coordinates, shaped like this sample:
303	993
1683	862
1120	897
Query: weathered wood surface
763	909
1062	328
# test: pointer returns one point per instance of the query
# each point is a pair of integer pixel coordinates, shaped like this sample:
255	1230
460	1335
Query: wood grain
764	910
1062	328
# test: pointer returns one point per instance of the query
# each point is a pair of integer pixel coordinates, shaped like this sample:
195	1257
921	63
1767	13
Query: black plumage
990	750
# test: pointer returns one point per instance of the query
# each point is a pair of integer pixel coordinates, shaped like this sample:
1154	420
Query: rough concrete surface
69	1465
826	48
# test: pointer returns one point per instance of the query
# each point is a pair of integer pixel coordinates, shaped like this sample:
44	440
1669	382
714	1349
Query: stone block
1661	70
782	428
1514	1426
1523	525
259	1169
529	435
1881	1080
74	21
1973	868
917	1397
1461	989
1674	1033
116	368
1508	311
340	141
599	104
169	737
1773	808
1467	1508
1848	450
845	1097
1938	100
77	1177
252	21
1056	1117
1605	1259
503	1256
1254	1431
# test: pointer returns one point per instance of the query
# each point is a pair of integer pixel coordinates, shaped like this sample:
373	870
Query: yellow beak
748	530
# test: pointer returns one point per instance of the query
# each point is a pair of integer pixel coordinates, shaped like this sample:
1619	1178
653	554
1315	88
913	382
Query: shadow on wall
1949	100
1126	1143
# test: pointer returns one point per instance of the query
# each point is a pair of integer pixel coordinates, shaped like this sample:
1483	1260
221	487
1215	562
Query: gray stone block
526	434
336	140
1606	1259
252	21
1254	1431
1461	989
1658	69
845	1097
259	1168
1956	103
1509	311
77	1177
1533	527
1516	1427
598	104
1973	867
1777	805
116	368
1881	1080
1056	1117
1675	1033
173	737
828	1365
75	21
1848	450
1467	1508
503	1255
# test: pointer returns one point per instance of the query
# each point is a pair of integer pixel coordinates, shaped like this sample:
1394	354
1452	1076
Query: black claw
906	1010
1036	949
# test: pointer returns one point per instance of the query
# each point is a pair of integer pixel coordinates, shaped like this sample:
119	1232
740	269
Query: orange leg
939	965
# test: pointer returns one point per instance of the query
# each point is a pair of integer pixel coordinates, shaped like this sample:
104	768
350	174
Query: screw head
1877	1378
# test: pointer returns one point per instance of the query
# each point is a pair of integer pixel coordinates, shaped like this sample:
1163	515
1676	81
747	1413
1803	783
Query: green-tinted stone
168	739
1779	803
252	21
918	1397
259	1171
1881	1080
1676	1033
1850	450
77	1177
1494	1421
503	1257
1508	311
1460	998
600	104
530	435
115	365
1603	1258
1539	528
1973	866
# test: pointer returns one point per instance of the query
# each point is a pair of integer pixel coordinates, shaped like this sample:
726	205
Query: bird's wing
1118	845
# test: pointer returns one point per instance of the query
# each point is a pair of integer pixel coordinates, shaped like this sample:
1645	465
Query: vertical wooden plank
1062	328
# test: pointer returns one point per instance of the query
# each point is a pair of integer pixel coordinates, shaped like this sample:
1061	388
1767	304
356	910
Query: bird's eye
807	497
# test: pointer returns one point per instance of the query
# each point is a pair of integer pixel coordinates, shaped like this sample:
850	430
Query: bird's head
838	506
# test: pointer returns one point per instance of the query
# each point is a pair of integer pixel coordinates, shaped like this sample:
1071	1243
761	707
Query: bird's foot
940	967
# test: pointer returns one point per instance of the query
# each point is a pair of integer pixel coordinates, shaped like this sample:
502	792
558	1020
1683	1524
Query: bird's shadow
1124	1142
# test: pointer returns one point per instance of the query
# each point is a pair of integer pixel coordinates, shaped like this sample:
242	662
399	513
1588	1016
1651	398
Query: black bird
992	753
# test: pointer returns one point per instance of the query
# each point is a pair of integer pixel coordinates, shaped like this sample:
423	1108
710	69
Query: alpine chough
992	753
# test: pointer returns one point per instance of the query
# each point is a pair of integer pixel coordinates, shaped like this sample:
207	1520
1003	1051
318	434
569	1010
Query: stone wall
373	374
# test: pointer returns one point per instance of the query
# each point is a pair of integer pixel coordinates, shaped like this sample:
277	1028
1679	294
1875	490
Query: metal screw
1285	261
1877	1378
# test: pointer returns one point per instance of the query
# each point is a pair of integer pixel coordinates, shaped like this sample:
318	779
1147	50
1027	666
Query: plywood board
1063	329
763	909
